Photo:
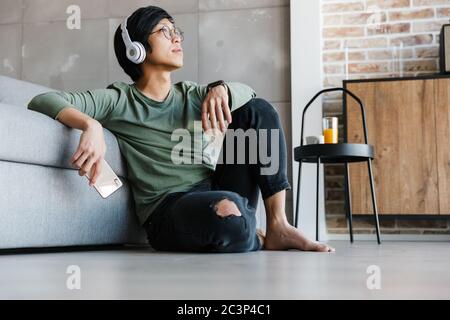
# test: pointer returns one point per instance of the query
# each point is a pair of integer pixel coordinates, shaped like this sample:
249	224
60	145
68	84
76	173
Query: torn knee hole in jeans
225	208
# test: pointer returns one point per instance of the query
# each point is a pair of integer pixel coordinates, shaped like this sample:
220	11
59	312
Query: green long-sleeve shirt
143	128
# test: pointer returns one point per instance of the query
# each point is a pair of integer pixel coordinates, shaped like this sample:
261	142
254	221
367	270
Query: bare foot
283	236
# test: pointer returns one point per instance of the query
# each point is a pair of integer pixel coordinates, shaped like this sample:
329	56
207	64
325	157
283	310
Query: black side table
336	153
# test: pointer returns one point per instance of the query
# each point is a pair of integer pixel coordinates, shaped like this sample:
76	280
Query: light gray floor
408	270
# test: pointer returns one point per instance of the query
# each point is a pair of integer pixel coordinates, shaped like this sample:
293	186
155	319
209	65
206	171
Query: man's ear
150	48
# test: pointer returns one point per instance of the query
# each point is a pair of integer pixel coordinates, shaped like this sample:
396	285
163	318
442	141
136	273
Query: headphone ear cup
141	52
136	52
132	53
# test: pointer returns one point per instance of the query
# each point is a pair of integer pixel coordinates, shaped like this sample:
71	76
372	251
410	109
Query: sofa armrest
18	92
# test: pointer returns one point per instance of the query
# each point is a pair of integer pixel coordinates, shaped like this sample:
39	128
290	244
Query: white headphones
134	49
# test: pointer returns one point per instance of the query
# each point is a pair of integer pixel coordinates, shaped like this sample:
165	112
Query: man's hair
139	25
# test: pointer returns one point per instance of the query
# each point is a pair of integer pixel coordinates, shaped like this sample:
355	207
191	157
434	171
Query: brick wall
370	39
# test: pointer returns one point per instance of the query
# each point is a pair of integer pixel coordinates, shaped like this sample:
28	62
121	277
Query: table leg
374	201
348	204
298	193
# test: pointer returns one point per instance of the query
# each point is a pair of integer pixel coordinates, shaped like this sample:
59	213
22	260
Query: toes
329	249
261	237
322	248
260	232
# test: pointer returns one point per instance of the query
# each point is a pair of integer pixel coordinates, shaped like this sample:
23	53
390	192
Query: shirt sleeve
97	104
239	94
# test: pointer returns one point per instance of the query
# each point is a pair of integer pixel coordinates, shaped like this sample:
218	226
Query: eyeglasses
171	33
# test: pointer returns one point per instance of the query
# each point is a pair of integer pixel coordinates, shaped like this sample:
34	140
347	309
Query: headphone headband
125	35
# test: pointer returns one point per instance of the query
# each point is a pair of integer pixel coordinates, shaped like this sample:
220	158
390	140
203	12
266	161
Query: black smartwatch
215	84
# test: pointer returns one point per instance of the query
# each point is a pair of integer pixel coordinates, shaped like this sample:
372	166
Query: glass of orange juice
330	129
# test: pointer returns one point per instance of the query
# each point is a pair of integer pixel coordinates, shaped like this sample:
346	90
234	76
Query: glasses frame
171	33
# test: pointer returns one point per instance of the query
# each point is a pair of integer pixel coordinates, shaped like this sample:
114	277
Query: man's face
165	53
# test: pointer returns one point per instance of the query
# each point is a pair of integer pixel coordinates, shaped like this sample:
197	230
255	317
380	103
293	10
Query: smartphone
107	182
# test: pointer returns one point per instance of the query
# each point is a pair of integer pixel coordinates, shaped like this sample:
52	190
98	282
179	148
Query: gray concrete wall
237	40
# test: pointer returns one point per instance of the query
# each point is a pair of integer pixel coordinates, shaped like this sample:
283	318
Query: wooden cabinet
442	94
408	122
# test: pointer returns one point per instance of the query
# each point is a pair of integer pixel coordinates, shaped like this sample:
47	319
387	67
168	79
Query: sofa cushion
32	137
42	206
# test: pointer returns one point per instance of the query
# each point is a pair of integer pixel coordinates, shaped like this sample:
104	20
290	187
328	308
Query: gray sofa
43	201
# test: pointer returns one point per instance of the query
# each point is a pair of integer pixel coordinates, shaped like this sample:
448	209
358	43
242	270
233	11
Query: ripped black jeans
188	221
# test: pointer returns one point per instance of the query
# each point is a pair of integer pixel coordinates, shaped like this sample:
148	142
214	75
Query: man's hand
215	108
90	152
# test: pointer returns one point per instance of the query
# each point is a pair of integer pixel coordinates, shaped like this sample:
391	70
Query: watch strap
215	84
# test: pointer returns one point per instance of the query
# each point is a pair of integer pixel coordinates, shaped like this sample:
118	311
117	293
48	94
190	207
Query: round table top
334	152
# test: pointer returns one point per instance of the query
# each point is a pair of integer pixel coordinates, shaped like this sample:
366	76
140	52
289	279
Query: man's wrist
89	123
215	84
